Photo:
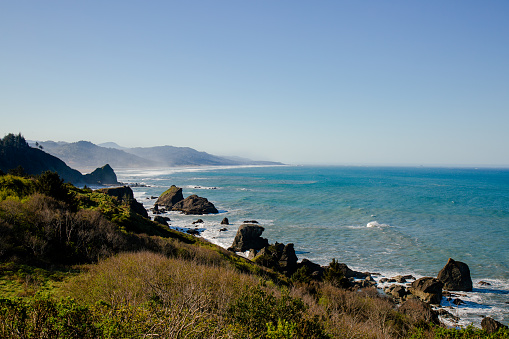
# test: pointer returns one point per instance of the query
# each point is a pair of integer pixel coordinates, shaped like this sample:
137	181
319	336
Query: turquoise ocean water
378	219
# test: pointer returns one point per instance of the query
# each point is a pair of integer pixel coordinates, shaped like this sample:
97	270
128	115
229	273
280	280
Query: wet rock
427	289
249	237
199	221
398	292
399	279
455	276
458	302
250	222
194	204
224	229
193	232
483	283
225	221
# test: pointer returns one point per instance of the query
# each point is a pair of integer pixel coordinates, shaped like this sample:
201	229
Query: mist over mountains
86	156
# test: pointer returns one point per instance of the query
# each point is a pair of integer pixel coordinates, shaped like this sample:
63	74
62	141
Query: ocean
388	220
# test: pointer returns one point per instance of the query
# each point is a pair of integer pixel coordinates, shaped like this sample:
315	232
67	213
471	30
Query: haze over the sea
301	82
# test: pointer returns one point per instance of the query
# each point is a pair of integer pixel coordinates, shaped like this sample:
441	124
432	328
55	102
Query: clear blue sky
303	82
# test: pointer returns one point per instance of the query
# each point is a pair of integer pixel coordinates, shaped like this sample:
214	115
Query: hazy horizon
331	83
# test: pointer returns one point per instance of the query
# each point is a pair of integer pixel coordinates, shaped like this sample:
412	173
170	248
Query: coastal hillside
78	263
16	153
85	156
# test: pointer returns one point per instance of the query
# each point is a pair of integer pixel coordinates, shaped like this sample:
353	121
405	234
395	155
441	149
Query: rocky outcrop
456	276
249	237
491	326
427	289
170	197
194	204
125	194
161	220
102	175
225	221
398	292
278	257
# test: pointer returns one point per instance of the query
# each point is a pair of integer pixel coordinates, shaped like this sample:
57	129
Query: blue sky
303	82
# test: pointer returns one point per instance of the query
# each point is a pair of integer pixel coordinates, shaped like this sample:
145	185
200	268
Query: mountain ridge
85	156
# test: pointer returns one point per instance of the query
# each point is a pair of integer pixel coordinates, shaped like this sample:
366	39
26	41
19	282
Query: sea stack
455	276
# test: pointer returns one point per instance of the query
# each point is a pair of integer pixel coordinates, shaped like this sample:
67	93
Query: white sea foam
376	224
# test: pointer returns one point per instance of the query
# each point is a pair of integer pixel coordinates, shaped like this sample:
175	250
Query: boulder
225	221
418	311
398	292
102	175
126	195
249	237
199	221
491	326
455	276
427	289
160	220
194	204
170	197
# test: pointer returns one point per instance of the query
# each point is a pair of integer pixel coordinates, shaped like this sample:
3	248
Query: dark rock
193	232
199	221
417	310
455	276
315	270
250	222
125	194
225	221
349	273
491	326
194	204
170	197
399	279
249	237
484	283
427	289
160	220
288	259
102	175
458	302
224	229
396	291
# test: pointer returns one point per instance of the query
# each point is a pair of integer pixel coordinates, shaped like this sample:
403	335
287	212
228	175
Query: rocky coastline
425	295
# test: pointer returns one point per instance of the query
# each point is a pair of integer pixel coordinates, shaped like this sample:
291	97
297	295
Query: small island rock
170	197
194	204
455	276
225	221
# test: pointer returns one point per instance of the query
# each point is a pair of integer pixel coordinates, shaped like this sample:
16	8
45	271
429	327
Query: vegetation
77	263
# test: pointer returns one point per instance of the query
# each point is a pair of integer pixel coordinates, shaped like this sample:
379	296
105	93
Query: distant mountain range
86	156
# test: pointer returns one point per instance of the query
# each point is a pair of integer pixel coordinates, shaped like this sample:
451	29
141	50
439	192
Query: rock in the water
125	194
455	276
102	175
170	197
194	204
249	237
491	326
250	222
225	221
419	311
427	289
199	221
193	232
